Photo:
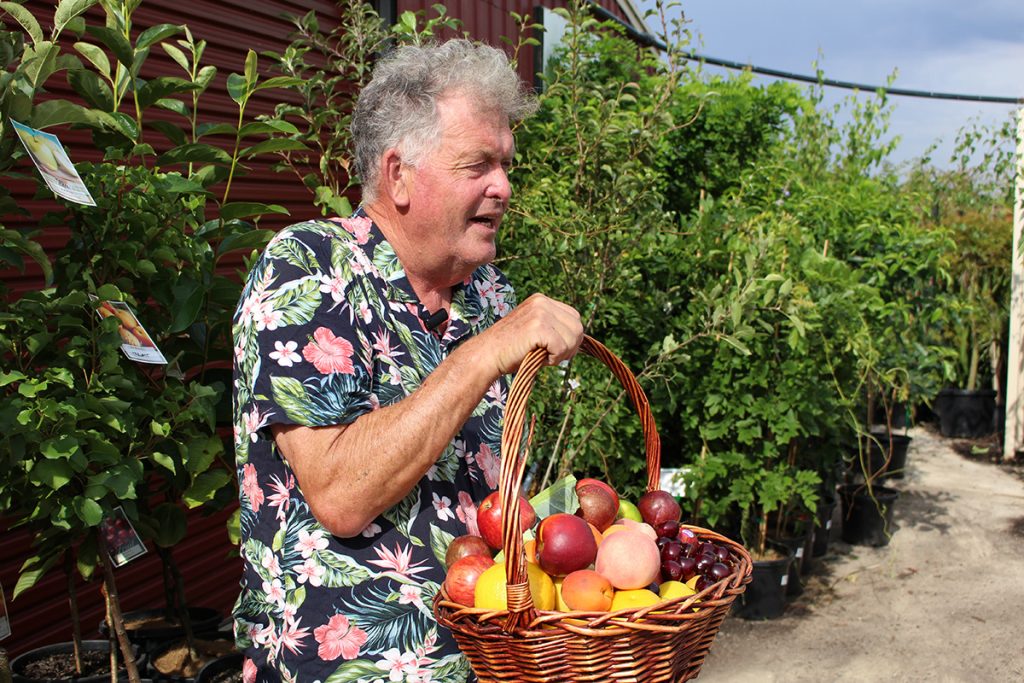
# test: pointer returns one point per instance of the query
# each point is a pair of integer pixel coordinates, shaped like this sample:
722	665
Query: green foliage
84	429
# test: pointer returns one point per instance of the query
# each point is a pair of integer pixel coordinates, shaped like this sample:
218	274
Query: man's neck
433	291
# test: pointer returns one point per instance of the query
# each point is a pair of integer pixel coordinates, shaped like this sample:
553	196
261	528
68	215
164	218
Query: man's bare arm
349	474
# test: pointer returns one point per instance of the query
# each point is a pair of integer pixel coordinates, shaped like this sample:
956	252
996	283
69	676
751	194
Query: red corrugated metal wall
230	28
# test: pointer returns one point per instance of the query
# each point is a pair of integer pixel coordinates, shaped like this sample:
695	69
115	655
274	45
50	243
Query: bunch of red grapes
684	556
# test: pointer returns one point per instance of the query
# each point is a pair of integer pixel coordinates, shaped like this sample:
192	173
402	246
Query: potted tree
974	203
87	430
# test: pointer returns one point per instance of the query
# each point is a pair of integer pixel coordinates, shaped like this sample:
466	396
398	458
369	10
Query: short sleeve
301	348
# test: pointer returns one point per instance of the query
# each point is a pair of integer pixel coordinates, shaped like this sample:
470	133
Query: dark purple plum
671	571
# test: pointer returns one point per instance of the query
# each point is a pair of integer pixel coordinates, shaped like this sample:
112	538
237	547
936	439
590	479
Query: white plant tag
785	579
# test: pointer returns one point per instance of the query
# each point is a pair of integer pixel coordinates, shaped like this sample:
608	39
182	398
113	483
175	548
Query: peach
642	527
587	591
565	543
629	559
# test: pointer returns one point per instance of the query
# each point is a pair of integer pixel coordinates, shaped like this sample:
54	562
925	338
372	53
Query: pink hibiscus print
467	513
339	638
249	671
489	465
359	226
329	353
251	487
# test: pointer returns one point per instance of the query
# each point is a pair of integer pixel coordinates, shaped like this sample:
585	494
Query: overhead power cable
647	40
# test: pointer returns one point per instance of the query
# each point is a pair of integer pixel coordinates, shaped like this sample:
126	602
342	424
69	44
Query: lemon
490	588
692	583
634	599
675	589
559	602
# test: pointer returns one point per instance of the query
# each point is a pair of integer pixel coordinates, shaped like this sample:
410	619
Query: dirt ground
944	601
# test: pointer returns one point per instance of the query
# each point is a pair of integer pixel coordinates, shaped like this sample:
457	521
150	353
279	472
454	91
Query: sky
949	46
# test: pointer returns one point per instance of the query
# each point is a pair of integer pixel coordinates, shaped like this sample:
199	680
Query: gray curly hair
398	107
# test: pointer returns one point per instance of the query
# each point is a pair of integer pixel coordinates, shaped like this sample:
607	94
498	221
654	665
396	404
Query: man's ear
396	178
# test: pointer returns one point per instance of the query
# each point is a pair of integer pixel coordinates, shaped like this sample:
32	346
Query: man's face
459	192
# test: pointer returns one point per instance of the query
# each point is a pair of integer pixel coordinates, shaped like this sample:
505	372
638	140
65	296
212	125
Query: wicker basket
664	642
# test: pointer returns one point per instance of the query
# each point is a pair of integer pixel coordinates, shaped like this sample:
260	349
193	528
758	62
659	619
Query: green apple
628	510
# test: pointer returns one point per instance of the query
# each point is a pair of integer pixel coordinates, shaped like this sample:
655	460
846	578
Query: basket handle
513	466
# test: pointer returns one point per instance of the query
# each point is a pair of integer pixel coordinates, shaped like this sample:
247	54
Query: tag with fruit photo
54	164
123	541
138	345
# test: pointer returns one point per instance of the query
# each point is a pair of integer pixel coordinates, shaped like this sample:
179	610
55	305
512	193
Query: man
371	356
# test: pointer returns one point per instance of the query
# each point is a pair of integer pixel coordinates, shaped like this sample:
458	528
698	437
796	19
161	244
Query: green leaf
25	18
54	474
96	56
279	82
267	127
93	89
164	460
234	210
251	64
88	510
115	42
31	574
205	486
68	10
188	301
237	88
273	145
171	525
56	112
155	34
194	152
253	239
177	55
63	446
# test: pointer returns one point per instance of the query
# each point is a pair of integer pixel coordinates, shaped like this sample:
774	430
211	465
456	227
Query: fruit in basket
629	559
490	588
463	546
565	543
642	527
628	510
674	589
598	503
488	518
634	599
587	591
659	506
462	577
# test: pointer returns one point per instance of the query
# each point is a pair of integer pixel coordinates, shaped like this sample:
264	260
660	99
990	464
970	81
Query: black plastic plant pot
228	667
966	414
21	666
823	528
867	517
878	447
151	629
765	596
797	546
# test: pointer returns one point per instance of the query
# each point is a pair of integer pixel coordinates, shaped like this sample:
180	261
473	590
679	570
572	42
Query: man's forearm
350	474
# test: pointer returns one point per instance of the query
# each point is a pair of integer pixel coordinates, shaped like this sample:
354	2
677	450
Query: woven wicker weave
664	642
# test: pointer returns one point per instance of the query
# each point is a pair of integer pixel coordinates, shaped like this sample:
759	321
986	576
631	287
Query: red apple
565	543
462	576
659	506
488	518
597	505
463	546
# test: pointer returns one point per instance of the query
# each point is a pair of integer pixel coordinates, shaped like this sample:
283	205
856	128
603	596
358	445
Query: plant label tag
138	345
799	552
828	525
54	165
5	622
785	579
123	542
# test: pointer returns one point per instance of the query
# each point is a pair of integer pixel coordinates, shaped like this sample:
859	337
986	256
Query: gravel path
944	601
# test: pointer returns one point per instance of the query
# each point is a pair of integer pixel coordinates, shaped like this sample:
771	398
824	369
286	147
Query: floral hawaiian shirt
328	329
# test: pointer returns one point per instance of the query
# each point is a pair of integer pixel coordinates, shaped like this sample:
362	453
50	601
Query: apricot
587	591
